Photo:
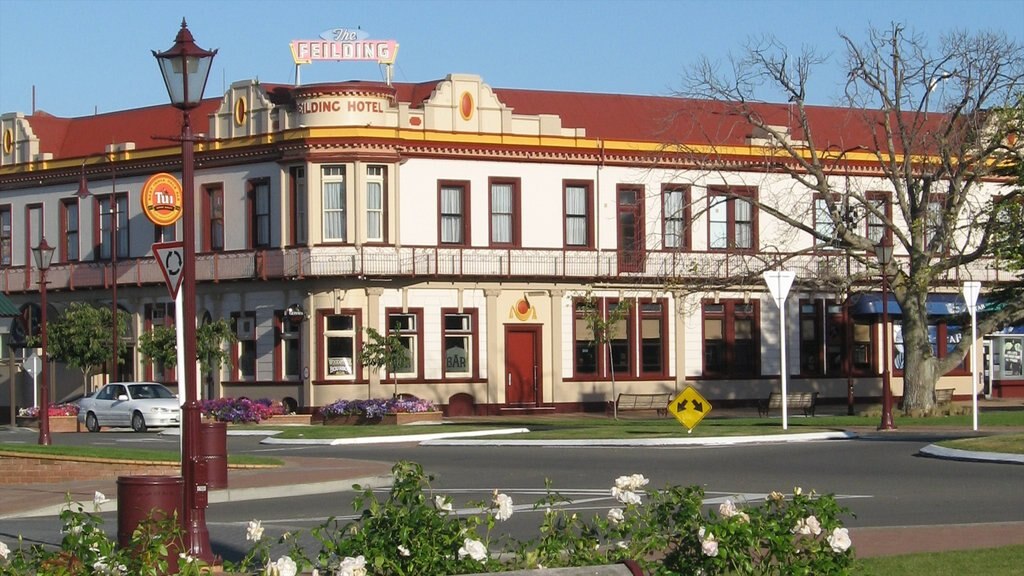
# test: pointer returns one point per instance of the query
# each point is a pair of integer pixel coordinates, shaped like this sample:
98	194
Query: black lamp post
43	255
883	251
185	68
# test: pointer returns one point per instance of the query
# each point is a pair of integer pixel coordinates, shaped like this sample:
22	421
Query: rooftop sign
344	45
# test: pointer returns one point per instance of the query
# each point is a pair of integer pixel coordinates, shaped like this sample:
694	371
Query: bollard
213	451
142	497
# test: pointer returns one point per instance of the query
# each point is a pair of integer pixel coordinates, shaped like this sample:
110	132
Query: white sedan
136	404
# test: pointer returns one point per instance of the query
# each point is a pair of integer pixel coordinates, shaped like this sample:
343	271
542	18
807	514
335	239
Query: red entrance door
632	242
522	365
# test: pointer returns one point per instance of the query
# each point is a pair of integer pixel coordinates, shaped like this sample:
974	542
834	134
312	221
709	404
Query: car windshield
150	391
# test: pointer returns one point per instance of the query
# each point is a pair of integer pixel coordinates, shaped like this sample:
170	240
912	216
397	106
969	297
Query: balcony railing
827	271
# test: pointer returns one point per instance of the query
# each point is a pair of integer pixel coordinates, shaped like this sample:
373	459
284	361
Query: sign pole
971	290
779	283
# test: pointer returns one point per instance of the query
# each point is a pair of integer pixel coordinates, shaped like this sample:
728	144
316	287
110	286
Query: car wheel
91	423
138	422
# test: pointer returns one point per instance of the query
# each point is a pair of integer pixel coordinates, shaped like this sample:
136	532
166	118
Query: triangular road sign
171	257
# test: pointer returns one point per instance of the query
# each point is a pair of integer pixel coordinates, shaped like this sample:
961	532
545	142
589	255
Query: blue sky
87	56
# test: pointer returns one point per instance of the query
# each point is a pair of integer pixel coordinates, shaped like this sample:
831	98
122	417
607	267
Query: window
458	331
69	247
5	235
578	217
731	339
335	218
824	226
454	203
676	216
934	230
159	314
163	233
297	191
340	332
213	207
407	325
259	195
942	338
505	212
245	348
731	219
823	336
104	222
287	356
375	203
876	227
652	339
636	343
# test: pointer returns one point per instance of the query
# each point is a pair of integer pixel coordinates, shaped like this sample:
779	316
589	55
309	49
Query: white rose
352	566
615	516
503	504
839	540
709	545
284	566
443	503
474	549
728	509
4	551
254	532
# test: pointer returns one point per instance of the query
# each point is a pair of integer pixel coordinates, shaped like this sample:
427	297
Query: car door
100	404
117	412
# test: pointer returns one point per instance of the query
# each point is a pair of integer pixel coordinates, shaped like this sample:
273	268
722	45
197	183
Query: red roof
606	116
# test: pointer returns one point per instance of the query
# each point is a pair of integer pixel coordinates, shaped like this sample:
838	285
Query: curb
936	451
715	441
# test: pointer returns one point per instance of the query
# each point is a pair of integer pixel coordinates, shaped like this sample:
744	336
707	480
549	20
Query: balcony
828	272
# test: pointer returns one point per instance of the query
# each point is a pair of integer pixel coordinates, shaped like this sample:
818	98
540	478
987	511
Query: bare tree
934	125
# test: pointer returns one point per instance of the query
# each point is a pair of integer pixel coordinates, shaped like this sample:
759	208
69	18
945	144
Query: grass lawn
1005	561
116	453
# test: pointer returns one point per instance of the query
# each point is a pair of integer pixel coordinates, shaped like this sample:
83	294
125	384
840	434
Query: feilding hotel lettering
338	105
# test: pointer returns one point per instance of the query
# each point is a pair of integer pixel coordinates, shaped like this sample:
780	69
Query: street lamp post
883	251
43	254
185	68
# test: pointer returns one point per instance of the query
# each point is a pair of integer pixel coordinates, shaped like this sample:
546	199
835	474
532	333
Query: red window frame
260	224
417	313
321	345
588	217
731	364
685	242
70	232
298	196
213	222
465	215
239	347
515	208
474	350
731	194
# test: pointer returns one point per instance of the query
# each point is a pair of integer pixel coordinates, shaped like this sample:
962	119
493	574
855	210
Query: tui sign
689	407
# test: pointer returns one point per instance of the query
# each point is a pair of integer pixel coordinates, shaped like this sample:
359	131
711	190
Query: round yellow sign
162	199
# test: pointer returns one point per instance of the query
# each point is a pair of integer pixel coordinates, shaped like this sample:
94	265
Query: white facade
474	225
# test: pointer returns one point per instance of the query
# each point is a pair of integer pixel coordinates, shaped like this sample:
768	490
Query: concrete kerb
936	451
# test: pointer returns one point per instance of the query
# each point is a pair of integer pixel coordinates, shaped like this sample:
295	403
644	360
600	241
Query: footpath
305	476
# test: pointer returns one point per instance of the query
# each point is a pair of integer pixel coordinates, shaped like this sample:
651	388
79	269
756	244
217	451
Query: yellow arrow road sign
689	407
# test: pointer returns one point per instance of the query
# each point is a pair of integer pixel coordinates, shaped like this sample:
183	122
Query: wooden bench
943	396
636	402
802	400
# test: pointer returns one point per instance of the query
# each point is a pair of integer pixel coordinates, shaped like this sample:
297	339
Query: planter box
349	420
283	419
410	417
57	423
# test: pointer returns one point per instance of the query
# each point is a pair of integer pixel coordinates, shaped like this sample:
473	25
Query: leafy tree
384	351
81	338
940	121
602	325
159	345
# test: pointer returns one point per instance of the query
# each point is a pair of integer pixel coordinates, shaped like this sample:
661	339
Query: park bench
794	400
943	396
636	402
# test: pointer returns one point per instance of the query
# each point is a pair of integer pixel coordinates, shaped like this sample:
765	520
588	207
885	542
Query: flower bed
241	410
378	410
399	418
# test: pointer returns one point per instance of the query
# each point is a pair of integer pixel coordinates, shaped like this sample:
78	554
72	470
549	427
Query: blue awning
870	304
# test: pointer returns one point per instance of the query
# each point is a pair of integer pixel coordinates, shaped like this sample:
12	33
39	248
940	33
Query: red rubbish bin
142	497
213	452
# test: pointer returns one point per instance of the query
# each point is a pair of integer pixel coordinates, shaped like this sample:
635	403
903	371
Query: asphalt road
881	479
